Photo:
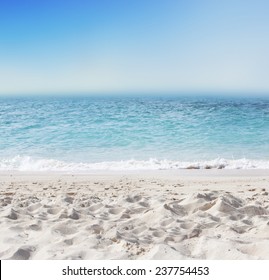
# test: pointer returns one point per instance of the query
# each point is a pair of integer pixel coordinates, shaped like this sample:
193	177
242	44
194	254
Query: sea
88	133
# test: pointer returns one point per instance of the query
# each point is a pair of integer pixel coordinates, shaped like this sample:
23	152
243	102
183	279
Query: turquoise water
86	133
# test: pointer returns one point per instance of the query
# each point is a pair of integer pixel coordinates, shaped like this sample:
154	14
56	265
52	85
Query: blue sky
134	46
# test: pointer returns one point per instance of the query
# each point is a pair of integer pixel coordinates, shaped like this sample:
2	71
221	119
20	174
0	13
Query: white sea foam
26	163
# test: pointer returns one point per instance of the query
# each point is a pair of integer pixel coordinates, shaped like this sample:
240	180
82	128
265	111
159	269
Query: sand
191	214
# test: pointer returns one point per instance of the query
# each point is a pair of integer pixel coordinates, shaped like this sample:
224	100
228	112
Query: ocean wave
26	163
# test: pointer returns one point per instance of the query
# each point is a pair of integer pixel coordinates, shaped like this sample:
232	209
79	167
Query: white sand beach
187	214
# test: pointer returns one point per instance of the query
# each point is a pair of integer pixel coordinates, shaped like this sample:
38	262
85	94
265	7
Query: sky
138	46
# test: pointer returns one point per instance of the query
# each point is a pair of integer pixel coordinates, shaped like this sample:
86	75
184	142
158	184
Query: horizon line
121	93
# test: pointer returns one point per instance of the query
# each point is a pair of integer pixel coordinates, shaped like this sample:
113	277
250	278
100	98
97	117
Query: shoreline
161	173
167	214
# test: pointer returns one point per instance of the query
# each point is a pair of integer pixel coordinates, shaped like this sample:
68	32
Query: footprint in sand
236	217
13	215
69	199
43	215
247	222
158	234
144	204
116	210
96	229
186	225
239	229
23	204
34	207
125	216
63	229
74	215
139	230
5	201
167	222
54	210
194	233
36	227
69	242
138	210
24	253
133	199
96	207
